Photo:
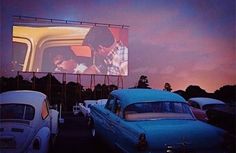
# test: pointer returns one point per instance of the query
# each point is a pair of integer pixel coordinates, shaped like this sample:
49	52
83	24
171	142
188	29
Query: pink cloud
149	70
167	70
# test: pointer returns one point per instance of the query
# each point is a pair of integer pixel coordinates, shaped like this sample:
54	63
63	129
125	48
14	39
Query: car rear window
17	111
211	106
157	110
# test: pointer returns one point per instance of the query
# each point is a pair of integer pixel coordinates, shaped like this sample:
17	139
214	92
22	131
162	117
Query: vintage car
85	108
200	105
149	120
204	103
27	123
224	118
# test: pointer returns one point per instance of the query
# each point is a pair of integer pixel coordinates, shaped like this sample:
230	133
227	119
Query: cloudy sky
183	42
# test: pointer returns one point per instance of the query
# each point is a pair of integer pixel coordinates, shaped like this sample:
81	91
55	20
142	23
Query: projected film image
73	49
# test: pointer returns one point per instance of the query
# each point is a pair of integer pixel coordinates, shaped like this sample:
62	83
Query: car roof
29	97
129	96
205	101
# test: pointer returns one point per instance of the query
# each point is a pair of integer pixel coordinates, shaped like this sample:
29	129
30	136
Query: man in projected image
67	65
109	55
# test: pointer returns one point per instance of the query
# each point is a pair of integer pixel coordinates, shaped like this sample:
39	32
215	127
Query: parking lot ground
75	137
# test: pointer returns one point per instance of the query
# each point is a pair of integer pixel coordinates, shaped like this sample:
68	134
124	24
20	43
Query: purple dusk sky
183	42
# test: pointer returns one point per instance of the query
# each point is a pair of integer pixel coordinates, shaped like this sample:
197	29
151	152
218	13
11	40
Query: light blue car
153	121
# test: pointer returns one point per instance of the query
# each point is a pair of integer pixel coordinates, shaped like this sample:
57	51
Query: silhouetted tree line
226	93
70	93
63	93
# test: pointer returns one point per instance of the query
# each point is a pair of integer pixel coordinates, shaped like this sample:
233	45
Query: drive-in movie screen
70	49
118	76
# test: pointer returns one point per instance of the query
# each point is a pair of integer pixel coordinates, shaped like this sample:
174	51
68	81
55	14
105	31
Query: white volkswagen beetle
26	122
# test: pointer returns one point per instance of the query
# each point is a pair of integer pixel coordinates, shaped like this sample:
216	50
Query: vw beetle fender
54	122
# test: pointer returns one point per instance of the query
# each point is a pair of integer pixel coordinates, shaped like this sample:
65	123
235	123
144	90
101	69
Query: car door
112	121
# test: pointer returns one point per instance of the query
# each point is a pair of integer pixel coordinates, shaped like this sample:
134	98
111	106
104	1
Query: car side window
20	47
195	105
117	108
110	103
113	104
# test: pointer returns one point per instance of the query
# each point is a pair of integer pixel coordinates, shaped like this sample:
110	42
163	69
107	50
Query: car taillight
36	144
44	111
142	142
169	149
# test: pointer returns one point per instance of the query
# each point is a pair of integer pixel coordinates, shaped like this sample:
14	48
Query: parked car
204	103
225	118
200	105
76	109
85	108
27	123
149	120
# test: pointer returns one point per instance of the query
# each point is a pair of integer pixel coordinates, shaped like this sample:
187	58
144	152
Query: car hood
16	137
192	133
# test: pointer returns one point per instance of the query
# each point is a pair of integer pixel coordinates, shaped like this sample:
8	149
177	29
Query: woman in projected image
109	55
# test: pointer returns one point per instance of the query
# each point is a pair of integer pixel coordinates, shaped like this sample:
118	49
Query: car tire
91	126
51	145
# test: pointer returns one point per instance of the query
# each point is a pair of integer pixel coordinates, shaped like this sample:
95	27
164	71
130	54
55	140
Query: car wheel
92	127
51	145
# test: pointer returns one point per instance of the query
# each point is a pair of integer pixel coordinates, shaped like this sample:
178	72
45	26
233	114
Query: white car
204	103
85	108
27	123
76	109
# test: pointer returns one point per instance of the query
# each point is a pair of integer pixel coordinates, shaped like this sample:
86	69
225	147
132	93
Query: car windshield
16	111
157	110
